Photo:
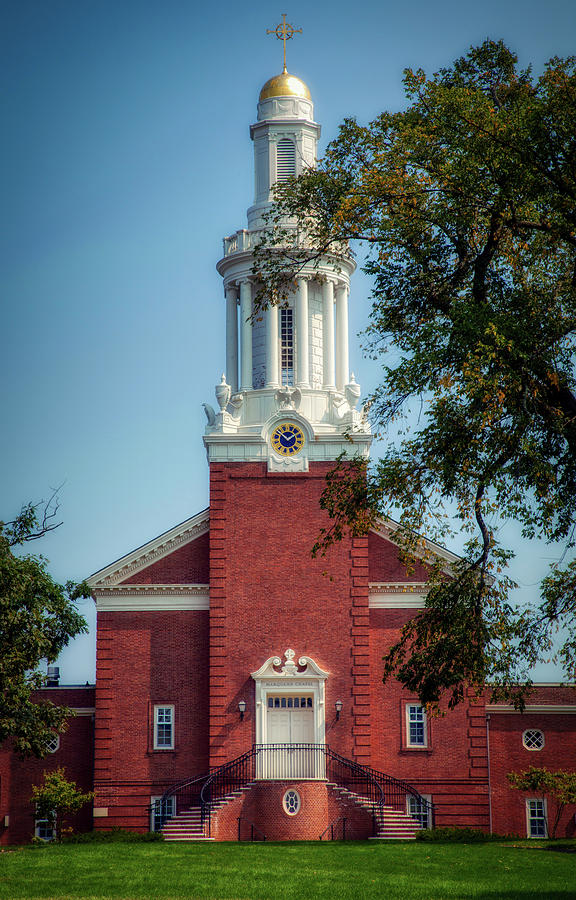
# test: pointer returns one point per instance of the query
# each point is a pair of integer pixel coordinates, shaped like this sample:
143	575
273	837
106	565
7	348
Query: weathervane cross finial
284	32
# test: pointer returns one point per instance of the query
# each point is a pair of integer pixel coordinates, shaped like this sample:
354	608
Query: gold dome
284	85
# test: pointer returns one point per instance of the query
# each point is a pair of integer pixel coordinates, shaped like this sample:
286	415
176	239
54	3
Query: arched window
285	159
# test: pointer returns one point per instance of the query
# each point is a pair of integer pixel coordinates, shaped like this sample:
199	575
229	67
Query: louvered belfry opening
285	159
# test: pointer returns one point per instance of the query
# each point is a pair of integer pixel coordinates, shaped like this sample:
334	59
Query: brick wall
508	754
187	565
453	766
385	565
143	659
268	594
261	806
75	755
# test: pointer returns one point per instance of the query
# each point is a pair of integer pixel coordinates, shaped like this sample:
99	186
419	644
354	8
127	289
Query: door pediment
274	668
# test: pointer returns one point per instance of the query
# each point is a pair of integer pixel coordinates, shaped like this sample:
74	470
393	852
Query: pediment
135	568
275	667
389	568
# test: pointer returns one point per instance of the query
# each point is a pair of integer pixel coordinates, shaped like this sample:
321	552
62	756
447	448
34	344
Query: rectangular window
419	809
536	818
44	829
287	345
161	811
163	727
416	735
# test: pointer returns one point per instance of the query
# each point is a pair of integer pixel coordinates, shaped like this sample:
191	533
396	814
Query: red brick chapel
239	688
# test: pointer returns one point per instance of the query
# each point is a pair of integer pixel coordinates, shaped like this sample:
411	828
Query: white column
272	347
342	364
302	352
328	376
232	337
245	336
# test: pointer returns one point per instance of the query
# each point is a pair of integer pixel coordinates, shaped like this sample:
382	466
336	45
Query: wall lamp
241	708
338	706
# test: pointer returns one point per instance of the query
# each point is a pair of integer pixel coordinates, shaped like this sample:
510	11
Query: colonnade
335	361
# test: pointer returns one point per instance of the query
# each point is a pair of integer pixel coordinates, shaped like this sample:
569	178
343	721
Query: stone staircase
187	825
391	824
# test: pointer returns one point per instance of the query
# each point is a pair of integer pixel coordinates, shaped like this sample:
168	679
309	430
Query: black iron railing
248	831
356	778
280	762
336	831
396	793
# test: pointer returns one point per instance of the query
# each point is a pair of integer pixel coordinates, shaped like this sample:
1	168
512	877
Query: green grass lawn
288	871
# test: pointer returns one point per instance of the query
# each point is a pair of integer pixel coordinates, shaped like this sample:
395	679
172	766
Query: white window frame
413	808
292	802
43	830
54	744
530	820
155	809
158	708
423	744
533	731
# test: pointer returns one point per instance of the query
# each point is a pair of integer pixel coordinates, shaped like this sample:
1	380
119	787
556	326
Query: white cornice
398	595
152	598
151	552
151	590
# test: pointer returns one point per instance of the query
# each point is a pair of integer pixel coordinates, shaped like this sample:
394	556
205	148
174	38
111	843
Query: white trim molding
149	553
152	597
398	595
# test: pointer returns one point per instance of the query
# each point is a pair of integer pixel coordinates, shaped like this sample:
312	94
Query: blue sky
125	159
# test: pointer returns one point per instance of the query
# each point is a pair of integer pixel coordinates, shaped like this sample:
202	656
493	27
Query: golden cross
284	32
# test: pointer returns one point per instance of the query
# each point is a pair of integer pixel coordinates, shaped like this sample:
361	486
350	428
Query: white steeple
289	366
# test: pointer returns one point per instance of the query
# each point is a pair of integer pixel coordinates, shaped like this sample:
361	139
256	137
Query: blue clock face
287	439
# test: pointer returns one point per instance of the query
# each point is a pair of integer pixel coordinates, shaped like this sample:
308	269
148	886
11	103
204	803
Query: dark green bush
112	836
460	835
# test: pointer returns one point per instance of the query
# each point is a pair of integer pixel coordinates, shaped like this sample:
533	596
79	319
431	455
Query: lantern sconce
241	708
338	706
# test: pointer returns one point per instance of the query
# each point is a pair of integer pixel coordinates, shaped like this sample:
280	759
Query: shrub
113	836
460	835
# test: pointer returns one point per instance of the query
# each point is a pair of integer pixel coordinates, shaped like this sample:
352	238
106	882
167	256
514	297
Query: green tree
559	786
57	799
38	617
466	205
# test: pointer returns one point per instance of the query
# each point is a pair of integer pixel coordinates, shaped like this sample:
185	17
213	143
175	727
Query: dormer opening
285	159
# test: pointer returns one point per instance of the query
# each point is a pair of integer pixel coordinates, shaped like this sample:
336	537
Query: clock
287	439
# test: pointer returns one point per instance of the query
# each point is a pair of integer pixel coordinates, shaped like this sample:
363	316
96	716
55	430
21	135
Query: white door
290	724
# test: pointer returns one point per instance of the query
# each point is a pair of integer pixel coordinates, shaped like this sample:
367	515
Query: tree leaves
466	205
37	620
57	798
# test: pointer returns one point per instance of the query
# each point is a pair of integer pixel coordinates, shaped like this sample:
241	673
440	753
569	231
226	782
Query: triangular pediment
384	530
135	567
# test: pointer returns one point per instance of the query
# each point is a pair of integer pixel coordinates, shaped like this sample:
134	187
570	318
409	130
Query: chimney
52	676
